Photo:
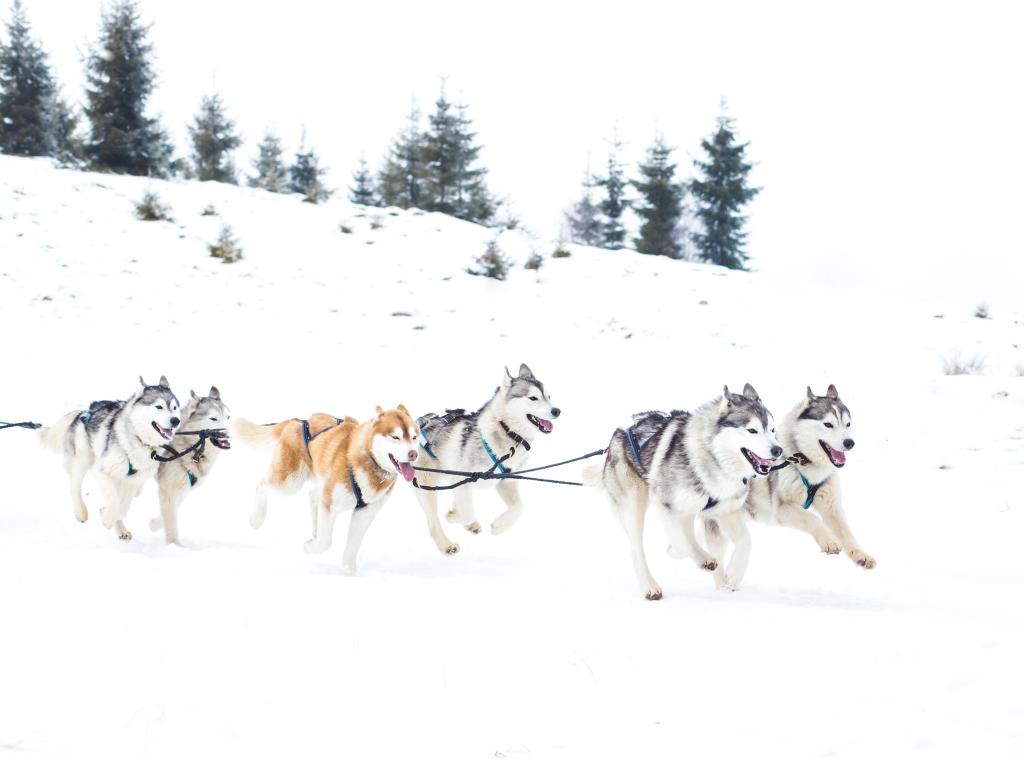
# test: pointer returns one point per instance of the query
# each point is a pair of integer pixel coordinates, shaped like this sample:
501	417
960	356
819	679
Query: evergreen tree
453	184
662	206
63	142
584	227
305	175
361	191
400	182
213	139
721	191
26	90
120	81
614	204
271	174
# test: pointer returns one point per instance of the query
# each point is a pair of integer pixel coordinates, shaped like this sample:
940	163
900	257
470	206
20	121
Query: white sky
887	136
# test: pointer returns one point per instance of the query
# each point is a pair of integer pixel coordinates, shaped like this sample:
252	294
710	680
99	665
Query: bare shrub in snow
209	210
961	365
345	229
561	252
536	261
226	248
492	263
152	208
981	312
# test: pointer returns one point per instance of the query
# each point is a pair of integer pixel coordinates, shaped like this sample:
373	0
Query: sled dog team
711	470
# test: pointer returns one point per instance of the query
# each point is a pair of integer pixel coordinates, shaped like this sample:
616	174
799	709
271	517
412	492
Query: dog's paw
709	565
82	515
449	549
830	546
125	535
349	569
724	581
863	559
653	594
473	527
452	515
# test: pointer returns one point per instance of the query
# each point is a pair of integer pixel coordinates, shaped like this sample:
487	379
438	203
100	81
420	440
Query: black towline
493	473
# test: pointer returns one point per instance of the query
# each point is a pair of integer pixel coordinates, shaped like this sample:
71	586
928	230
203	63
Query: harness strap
25	424
430	453
192	479
356	491
514	436
812	490
497	462
636	453
131	470
712	502
307	438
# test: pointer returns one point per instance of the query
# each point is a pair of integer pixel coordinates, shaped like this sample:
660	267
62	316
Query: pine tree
213	139
63	142
120	81
271	174
453	184
662	205
361	191
401	180
584	227
26	90
721	191
305	175
614	204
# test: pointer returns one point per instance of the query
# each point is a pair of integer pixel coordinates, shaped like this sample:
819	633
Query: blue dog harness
811	489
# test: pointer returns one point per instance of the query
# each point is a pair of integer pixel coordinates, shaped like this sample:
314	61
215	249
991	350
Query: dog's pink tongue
545	425
839	456
407	471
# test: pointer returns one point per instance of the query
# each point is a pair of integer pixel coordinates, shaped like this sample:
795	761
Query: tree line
433	167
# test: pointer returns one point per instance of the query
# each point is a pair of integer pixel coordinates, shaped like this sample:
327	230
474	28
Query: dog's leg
169	515
683	539
827	503
357	527
462	510
633	513
259	507
428	502
509	492
735	526
314	508
77	469
795	516
327	513
716	544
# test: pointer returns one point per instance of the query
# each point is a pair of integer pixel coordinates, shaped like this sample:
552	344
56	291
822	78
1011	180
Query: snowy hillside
535	646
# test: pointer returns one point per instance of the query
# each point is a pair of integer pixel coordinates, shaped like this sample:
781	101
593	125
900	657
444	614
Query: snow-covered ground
534	647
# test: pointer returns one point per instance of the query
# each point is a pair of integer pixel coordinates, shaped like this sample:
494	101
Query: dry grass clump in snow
226	248
536	261
209	210
152	208
561	252
981	311
958	364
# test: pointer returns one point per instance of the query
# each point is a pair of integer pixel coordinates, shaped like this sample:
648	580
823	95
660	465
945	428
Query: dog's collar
514	436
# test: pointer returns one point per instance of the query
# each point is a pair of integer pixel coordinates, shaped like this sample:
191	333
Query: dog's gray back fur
105	424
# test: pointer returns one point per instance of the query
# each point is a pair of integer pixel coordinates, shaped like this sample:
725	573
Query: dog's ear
193	395
750	393
833	393
380	411
142	381
404	410
507	381
164	382
215	393
810	395
525	372
726	397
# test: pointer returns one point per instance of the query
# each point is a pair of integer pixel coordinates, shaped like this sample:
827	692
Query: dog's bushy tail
592	475
55	436
251	433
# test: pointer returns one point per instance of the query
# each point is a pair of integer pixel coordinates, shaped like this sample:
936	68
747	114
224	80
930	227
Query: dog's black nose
847	443
556	412
776	450
175	421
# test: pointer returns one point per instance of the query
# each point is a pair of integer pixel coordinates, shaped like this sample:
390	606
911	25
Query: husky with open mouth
178	478
115	440
518	413
354	467
689	465
817	435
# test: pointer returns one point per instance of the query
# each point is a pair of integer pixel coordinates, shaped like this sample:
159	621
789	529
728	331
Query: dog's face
746	434
154	414
824	428
395	441
208	412
528	406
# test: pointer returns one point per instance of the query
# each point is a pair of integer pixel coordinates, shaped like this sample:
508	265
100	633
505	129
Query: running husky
689	464
816	435
116	440
517	413
176	478
354	467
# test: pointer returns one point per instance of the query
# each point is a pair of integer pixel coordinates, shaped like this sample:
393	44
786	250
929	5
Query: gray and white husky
115	440
816	434
519	411
178	478
689	464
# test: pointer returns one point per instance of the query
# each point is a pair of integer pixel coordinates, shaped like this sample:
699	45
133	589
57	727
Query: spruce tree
614	204
120	80
213	140
721	190
361	191
63	142
401	180
271	173
584	227
662	203
306	175
26	90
